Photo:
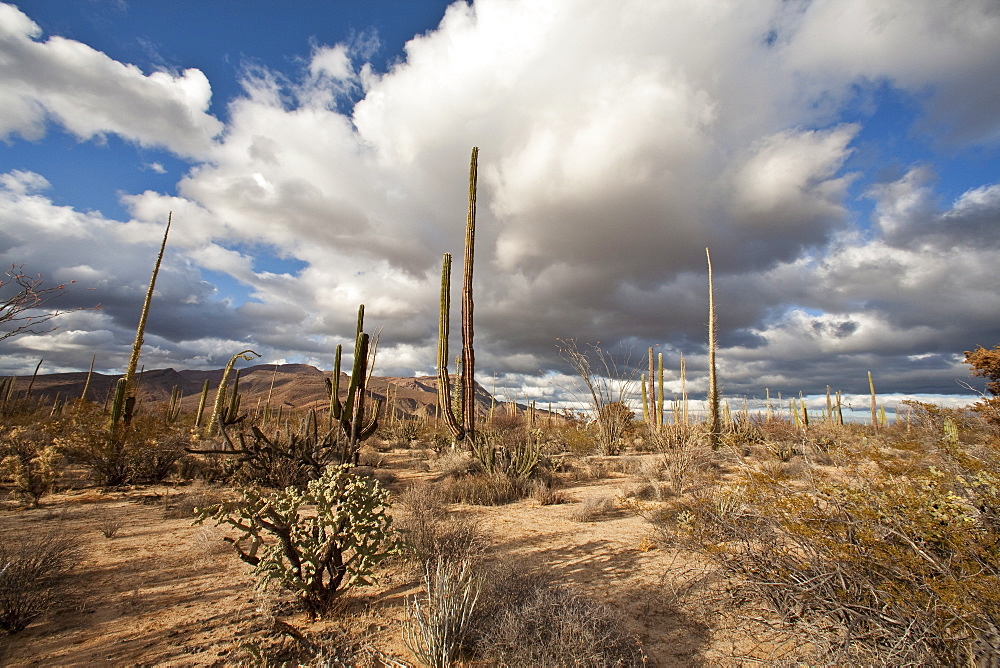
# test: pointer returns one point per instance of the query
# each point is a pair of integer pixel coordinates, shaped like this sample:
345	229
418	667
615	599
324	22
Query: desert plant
221	413
350	414
287	458
30	461
34	573
484	489
533	623
463	426
22	312
110	524
906	568
125	404
609	388
438	622
430	531
714	419
144	450
317	554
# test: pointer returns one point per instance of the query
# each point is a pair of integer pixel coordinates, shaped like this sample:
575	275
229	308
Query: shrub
484	490
438	622
145	450
33	575
430	531
532	623
30	461
906	568
317	555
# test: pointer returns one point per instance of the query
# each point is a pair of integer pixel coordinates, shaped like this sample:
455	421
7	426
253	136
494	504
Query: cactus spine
463	425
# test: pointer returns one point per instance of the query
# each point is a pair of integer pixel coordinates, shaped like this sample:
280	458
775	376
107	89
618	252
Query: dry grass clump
523	620
546	492
593	508
431	531
34	574
482	489
110	524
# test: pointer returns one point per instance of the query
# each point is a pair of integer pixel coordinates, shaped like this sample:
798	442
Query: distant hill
293	386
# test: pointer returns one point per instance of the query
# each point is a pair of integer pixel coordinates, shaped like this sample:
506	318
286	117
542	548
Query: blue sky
841	158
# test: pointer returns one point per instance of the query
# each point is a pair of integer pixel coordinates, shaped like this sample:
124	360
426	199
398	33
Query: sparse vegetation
34	574
316	556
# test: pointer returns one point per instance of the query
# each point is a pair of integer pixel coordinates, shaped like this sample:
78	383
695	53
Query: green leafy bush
314	542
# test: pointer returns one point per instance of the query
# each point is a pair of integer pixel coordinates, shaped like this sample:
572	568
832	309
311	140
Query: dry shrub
110	524
547	493
484	490
31	463
430	530
146	450
438	622
593	508
456	462
34	574
184	505
881	569
523	620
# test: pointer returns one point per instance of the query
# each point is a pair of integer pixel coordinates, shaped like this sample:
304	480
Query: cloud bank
616	144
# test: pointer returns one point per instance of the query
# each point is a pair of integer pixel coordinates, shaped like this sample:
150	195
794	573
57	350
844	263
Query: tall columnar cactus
713	388
462	425
350	413
140	330
659	397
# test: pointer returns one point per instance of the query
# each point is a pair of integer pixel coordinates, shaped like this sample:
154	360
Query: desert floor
165	592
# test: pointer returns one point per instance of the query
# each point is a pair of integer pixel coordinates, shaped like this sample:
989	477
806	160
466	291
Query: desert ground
162	591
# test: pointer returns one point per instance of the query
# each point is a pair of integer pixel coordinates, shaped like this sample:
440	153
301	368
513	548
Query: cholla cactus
318	554
33	468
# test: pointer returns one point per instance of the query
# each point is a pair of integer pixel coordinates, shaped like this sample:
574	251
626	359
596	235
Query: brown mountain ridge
292	386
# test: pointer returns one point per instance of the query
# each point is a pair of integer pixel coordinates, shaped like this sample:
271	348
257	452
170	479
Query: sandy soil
163	592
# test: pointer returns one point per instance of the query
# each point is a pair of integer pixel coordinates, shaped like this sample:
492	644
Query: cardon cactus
350	413
463	425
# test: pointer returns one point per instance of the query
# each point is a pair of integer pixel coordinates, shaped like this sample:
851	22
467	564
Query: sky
840	159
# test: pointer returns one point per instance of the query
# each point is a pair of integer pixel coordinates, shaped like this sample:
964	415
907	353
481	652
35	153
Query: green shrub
316	555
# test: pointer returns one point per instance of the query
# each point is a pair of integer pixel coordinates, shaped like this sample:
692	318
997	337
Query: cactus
222	394
201	404
659	398
86	383
713	387
174	407
350	413
871	386
463	425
